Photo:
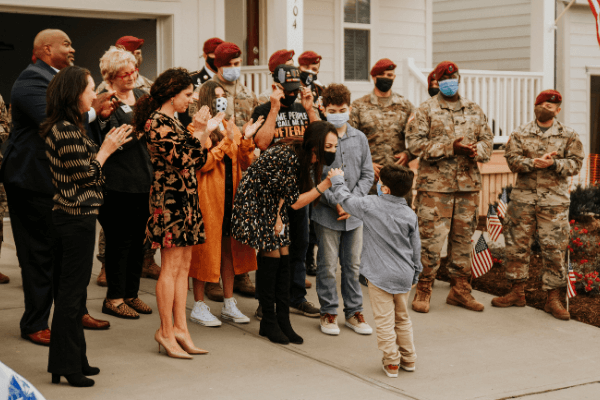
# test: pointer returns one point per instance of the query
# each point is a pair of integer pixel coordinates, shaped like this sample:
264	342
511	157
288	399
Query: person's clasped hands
467	150
544	162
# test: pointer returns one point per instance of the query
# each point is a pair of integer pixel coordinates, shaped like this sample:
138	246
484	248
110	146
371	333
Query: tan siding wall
319	34
482	34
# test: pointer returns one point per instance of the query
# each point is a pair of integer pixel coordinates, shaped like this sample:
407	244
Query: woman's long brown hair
207	97
62	99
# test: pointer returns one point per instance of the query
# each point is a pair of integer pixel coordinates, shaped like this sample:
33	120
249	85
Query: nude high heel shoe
175	353
188	347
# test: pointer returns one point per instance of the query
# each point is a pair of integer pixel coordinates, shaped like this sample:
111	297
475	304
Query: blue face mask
338	120
449	87
232	74
379	192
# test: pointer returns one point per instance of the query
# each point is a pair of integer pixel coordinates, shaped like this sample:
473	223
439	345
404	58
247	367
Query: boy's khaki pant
394	328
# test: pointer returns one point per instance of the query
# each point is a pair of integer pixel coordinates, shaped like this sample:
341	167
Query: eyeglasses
125	76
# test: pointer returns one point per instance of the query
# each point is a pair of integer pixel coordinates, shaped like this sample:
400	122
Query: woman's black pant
123	217
77	235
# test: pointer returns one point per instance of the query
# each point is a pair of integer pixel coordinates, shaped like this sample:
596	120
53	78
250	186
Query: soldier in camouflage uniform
383	116
543	153
451	135
4	129
240	100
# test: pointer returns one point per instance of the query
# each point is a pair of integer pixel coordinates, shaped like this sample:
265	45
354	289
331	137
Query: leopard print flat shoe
120	311
138	305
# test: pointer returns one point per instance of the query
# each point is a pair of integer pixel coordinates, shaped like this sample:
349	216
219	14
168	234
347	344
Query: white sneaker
329	325
357	324
232	313
201	315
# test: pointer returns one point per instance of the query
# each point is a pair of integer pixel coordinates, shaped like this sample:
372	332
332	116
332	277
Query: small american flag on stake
595	6
503	204
481	258
494	226
571	292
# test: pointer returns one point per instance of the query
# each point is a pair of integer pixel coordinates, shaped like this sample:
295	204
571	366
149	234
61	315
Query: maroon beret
225	52
551	96
309	57
130	43
445	67
280	57
385	64
211	44
430	78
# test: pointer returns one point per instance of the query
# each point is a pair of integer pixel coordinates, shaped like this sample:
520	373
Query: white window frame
357	26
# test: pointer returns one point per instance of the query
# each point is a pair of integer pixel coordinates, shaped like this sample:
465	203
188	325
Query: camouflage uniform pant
441	216
3	210
149	252
552	224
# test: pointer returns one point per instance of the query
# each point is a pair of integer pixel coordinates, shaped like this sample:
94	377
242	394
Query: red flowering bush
584	251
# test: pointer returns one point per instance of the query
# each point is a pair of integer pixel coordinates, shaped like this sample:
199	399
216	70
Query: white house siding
483	34
398	31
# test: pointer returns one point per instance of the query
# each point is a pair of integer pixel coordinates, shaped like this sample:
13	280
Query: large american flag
503	204
481	258
493	225
571	292
595	6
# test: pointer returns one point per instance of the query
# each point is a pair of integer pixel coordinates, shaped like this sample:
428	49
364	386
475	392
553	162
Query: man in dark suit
25	172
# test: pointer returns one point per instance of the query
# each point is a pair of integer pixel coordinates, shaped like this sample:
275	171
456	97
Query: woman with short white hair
128	179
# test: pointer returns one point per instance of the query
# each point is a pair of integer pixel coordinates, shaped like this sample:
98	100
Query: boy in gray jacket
391	259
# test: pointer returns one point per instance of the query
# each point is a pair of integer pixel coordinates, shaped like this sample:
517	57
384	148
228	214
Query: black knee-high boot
282	300
267	278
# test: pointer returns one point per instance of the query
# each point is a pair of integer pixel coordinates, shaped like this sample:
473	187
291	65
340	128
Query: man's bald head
53	46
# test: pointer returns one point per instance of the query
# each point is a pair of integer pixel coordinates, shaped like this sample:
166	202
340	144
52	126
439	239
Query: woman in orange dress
221	256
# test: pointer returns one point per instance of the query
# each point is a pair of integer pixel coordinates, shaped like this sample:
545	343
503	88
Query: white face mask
338	120
221	104
232	73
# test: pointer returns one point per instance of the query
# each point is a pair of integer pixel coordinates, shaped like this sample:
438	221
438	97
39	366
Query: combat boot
555	307
214	291
516	297
150	269
460	295
420	302
101	281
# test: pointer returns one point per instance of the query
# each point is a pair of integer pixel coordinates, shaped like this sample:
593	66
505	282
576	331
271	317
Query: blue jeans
299	238
347	246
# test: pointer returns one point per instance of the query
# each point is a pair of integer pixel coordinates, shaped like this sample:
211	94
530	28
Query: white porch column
285	29
542	40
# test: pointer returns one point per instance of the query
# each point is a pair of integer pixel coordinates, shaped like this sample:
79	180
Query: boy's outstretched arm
353	205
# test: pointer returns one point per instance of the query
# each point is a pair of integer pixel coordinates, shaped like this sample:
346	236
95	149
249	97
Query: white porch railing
256	78
506	97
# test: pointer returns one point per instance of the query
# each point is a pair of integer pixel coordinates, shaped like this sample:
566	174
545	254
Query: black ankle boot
75	380
282	301
266	282
90	371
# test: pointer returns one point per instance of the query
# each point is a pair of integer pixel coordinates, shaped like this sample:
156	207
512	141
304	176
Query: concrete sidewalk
498	354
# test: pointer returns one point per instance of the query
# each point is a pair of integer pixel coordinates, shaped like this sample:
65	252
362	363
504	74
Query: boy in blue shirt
391	259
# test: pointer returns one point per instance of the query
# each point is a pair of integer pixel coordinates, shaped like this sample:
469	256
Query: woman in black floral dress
175	223
271	185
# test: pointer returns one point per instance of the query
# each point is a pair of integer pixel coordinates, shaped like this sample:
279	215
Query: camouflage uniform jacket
431	135
384	126
545	186
240	100
4	123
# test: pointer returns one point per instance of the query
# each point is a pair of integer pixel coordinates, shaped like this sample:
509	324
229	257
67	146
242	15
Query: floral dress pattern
176	220
272	177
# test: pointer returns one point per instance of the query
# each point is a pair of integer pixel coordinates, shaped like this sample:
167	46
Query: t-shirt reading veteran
291	121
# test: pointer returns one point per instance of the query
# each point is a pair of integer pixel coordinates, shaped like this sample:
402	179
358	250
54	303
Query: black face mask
384	84
329	158
433	91
211	63
288	100
307	78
